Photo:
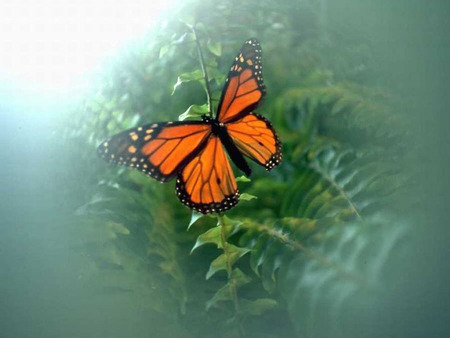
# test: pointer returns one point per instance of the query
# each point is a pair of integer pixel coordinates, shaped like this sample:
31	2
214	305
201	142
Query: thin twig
205	74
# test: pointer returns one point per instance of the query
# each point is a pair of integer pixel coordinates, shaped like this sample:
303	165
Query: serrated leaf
247	197
220	263
163	51
194	111
243	179
214	47
194	218
223	294
213	235
256	307
229	222
239	277
196	75
231	225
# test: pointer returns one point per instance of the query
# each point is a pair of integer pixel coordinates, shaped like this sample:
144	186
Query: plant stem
233	288
205	74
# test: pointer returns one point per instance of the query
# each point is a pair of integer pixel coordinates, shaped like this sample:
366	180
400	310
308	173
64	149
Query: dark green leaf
239	278
256	307
223	294
213	235
221	262
195	216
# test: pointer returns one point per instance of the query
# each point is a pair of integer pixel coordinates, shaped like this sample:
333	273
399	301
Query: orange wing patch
159	149
207	183
244	88
254	136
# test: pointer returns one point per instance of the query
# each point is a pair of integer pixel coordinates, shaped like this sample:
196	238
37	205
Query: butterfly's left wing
244	88
255	137
160	149
207	183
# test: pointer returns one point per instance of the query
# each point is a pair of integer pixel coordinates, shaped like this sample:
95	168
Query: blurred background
347	238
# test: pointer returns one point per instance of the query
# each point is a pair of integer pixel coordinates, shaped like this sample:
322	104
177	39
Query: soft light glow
50	45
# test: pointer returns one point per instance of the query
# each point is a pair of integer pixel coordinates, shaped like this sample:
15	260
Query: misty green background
43	257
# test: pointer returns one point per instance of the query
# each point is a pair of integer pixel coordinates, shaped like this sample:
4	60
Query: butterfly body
219	129
195	151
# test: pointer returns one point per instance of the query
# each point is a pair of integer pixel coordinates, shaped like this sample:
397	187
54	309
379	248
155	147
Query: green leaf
220	263
256	307
118	228
194	111
239	277
213	235
223	294
163	51
247	197
229	222
194	218
196	75
214	47
186	37
242	179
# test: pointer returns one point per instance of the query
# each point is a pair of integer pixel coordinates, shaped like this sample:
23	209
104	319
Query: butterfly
196	151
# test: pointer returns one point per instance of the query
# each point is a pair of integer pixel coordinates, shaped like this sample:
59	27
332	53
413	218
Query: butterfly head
206	118
217	126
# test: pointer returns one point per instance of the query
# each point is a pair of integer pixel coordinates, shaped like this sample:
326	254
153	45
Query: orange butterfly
194	151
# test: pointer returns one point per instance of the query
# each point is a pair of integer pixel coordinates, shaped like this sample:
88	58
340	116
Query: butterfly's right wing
244	87
207	184
255	137
160	149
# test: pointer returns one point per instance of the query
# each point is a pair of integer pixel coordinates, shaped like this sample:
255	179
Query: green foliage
196	75
306	239
134	245
342	275
194	111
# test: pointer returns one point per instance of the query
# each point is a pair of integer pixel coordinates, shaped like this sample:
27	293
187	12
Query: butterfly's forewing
158	149
207	183
244	87
255	137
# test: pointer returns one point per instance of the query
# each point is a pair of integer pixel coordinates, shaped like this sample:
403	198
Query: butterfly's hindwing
255	137
207	183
